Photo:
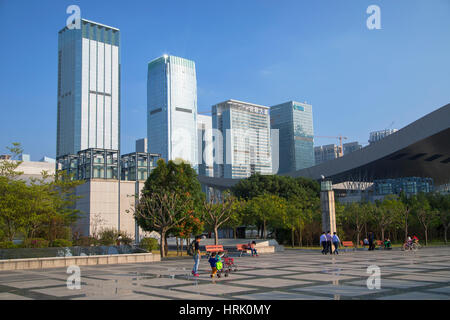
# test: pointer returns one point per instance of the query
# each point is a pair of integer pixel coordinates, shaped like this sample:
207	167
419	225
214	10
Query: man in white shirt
323	243
336	242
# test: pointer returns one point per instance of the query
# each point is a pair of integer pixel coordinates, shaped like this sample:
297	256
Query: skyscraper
351	147
294	120
172	108
88	88
245	146
205	145
326	153
379	135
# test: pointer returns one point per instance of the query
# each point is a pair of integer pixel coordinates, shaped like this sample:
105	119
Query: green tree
424	213
357	214
217	211
170	195
386	213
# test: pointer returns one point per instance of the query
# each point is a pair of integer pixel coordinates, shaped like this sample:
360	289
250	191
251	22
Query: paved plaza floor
292	274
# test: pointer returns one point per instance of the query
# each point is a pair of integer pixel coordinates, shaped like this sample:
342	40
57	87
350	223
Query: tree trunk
293	237
406	229
300	243
182	246
357	238
445	234
426	236
235	233
178	247
382	234
264	229
216	235
162	243
166	246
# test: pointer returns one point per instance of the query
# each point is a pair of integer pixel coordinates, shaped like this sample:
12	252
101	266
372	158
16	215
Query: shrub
7	245
86	241
126	239
61	243
149	244
35	243
108	237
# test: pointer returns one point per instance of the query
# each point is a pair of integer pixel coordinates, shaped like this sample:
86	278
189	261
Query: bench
241	248
348	244
213	248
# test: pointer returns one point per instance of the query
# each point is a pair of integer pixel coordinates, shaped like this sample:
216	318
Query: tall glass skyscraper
244	147
294	120
88	88
205	145
172	109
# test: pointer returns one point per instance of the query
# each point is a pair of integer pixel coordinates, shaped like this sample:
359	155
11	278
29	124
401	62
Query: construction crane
340	137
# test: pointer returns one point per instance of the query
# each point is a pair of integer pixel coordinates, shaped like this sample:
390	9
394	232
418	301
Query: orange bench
241	248
213	248
348	244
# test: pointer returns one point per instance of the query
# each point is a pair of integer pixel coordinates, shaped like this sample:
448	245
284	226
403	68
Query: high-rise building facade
244	147
294	120
351	147
379	135
172	109
205	145
142	145
88	88
326	153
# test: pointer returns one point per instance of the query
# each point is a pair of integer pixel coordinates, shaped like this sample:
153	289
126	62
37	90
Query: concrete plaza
292	274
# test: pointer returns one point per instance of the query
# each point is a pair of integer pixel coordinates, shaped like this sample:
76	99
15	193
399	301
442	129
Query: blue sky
261	51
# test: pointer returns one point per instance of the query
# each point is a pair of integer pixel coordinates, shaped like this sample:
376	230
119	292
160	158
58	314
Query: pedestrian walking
371	240
196	256
323	243
329	240
336	242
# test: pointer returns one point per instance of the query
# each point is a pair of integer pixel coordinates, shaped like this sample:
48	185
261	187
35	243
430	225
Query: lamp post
327	206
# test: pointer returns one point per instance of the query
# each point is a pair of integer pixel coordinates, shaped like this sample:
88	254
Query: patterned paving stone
414	296
278	295
293	274
270	282
319	277
342	290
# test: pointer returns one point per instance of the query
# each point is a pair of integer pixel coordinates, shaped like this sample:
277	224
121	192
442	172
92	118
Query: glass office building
244	147
408	185
172	109
205	145
294	120
88	88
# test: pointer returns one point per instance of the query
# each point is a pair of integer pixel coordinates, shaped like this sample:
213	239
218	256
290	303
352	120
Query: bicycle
414	246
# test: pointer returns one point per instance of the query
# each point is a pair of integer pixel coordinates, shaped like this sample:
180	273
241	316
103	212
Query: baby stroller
225	266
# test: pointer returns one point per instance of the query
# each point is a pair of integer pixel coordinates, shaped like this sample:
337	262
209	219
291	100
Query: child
253	249
213	262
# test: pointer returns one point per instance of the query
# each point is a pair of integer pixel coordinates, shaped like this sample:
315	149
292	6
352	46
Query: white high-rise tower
88	88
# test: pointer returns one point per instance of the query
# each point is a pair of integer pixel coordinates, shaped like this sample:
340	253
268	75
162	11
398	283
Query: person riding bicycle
415	239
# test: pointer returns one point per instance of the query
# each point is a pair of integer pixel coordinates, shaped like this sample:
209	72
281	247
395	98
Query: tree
170	195
386	213
408	203
41	206
218	211
424	213
192	225
267	209
357	214
162	212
